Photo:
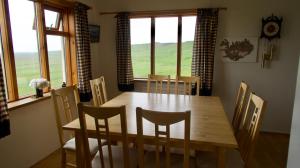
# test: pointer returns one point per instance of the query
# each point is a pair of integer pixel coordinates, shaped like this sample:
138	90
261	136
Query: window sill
24	102
145	80
140	79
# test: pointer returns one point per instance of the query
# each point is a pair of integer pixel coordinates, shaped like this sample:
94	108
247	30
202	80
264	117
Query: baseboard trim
276	133
57	150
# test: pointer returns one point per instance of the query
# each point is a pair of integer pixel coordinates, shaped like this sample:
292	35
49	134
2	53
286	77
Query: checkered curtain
124	64
4	120
83	51
204	48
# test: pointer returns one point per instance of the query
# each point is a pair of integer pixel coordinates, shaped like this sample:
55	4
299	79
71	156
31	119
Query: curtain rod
155	12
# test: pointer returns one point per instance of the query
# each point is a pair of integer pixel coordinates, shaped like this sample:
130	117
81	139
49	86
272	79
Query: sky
165	29
24	37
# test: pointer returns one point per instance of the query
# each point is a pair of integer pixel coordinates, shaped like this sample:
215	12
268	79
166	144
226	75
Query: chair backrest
158	79
162	138
102	130
250	127
64	101
99	91
188	82
239	106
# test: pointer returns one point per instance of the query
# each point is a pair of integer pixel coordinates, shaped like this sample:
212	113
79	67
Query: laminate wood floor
271	152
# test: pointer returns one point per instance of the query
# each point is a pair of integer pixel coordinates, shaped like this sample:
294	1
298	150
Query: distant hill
28	67
165	58
33	54
27	63
144	46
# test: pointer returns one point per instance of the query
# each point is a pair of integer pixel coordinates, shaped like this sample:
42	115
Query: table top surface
209	122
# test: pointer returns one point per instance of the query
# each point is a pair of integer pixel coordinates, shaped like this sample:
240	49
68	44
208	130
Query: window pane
52	19
25	44
188	33
56	56
166	46
140	30
2	64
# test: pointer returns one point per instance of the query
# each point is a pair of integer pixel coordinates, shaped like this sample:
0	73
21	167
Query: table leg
221	158
80	160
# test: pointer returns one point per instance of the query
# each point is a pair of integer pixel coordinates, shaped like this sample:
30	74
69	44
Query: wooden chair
250	127
64	101
98	91
246	137
188	82
158	79
162	138
239	107
114	156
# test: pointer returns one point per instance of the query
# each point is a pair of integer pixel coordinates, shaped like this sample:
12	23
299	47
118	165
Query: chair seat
176	160
209	159
117	155
93	144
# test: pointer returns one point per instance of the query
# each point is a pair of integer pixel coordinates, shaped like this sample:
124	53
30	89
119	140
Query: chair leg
196	158
63	158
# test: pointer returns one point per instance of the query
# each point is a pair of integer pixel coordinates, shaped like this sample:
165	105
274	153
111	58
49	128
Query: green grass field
165	59
27	64
27	68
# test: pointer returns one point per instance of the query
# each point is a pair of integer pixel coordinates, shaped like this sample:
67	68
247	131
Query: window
56	56
162	45
25	44
140	30
166	46
39	42
188	32
53	19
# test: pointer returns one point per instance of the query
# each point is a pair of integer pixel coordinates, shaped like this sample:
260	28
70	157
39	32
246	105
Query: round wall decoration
271	27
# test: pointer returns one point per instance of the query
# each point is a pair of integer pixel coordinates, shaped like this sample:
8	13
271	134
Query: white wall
242	19
33	135
294	147
276	84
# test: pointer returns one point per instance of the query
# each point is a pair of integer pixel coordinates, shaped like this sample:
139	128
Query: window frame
154	15
68	32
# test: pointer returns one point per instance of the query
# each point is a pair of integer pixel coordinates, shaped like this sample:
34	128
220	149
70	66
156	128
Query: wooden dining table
210	127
